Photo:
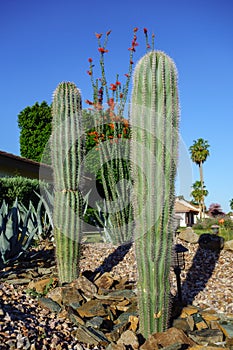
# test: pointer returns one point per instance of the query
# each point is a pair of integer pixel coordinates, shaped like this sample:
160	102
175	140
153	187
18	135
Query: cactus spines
66	149
154	125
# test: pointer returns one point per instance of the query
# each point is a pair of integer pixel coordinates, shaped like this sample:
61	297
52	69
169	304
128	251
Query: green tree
231	204
199	153
198	193
35	129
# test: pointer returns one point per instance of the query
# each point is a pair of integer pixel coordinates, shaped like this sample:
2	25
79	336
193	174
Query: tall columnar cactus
66	149
154	151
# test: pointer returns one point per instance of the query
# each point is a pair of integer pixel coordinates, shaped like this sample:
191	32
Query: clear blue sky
44	42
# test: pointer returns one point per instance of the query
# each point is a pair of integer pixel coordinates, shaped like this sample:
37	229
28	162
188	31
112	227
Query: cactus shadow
201	270
112	259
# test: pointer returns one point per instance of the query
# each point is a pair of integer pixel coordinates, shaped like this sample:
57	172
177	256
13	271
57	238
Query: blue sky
48	41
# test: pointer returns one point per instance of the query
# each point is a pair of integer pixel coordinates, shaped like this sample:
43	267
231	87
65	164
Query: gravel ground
206	282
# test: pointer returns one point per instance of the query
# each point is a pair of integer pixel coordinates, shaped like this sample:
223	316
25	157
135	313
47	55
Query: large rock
129	338
228	245
188	235
163	339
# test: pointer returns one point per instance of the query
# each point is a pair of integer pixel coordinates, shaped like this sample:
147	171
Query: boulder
188	235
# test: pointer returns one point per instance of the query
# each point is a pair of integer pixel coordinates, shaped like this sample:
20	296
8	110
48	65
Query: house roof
10	163
182	206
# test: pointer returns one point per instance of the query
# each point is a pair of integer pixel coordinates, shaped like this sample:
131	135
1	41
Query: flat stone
95	322
199	321
92	308
85	286
227	328
182	323
208	317
19	281
74	317
129	338
188	310
90	336
150	344
48	303
118	329
40	285
105	281
172	336
206	336
113	346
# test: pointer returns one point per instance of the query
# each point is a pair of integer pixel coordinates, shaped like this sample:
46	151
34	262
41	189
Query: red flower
102	50
145	30
131	62
113	87
148	46
135	29
90	60
121	95
118	83
89	72
127	75
108	32
98	36
89	102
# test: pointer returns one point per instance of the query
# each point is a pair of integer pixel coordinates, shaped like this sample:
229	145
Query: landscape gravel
24	324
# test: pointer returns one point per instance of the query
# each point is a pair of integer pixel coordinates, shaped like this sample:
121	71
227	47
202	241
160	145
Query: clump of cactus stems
66	150
112	145
154	151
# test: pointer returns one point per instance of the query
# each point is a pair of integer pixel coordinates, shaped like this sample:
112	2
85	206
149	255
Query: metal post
177	271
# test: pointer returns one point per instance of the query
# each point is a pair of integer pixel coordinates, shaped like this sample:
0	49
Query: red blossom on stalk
118	83
98	36
135	29
108	32
102	50
127	75
89	102
90	60
148	46
113	87
145	30
121	95
89	72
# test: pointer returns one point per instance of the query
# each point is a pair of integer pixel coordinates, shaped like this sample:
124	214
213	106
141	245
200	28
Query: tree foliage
215	210
35	129
199	152
199	191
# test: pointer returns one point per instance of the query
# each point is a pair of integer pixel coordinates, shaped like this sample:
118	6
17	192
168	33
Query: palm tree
198	193
199	152
231	204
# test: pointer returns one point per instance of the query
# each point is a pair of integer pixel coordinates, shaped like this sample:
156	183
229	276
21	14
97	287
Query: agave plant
20	226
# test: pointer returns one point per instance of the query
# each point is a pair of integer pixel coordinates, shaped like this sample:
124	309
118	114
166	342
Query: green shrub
21	188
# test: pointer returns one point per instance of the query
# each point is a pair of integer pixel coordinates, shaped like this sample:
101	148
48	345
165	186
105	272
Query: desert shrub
21	188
